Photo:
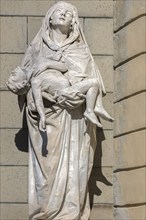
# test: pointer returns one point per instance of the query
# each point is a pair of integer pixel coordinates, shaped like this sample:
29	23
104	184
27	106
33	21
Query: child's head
17	82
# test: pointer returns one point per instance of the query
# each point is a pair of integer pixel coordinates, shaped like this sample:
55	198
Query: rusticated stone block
99	35
130	114
95	9
8	63
133	213
14	211
102	212
105	65
11	117
130	78
104	149
129	150
34	25
125	11
129	187
38	8
100	186
13	184
130	41
13	34
14	147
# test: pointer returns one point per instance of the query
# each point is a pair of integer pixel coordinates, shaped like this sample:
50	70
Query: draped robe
61	159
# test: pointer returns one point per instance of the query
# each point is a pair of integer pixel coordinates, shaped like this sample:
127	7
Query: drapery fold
60	164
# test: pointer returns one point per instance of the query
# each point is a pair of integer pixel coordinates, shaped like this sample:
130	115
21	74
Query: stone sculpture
63	88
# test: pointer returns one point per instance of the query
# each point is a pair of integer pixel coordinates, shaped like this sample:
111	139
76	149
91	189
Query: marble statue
62	90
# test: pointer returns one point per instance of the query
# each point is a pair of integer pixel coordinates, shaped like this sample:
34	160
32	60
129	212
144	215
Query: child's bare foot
92	117
100	111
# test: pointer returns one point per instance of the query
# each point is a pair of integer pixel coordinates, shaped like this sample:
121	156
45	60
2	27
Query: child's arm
36	91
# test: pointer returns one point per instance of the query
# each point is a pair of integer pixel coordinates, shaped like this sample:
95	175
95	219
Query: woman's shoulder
78	45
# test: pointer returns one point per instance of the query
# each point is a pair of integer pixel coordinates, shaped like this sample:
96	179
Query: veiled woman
61	158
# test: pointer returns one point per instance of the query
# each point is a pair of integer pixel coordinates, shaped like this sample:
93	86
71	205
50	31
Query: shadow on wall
21	138
96	174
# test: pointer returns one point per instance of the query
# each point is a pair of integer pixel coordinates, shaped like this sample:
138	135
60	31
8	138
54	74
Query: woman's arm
48	64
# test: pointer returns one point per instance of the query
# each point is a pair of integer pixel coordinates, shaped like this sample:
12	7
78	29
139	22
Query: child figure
52	81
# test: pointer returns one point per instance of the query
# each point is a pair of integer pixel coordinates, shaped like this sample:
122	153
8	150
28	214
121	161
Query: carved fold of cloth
60	163
61	158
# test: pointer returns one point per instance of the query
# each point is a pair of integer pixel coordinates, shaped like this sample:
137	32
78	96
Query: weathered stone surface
129	150
13	184
34	25
130	78
101	185
99	35
130	114
85	8
102	212
125	11
7	64
104	149
129	187
105	65
14	211
134	213
13	34
130	41
13	147
10	113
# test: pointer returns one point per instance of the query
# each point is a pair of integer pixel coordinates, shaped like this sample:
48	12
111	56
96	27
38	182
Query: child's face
18	76
17	80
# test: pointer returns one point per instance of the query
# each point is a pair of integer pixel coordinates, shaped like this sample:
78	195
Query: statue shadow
97	174
21	137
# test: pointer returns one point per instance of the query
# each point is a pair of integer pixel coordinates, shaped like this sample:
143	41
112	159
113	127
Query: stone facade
129	98
20	21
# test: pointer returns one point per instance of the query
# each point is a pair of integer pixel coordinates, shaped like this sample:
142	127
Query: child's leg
82	86
90	104
99	109
90	87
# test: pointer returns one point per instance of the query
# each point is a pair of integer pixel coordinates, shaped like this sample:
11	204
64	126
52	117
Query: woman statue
64	91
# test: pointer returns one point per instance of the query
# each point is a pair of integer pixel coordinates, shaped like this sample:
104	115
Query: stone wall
20	21
130	102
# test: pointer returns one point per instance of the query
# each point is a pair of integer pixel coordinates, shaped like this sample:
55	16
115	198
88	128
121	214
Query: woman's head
62	17
62	14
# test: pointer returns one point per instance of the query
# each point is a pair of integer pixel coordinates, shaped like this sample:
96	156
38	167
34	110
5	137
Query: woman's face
62	16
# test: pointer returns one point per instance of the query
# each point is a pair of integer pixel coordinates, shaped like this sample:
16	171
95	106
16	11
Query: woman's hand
57	65
50	64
